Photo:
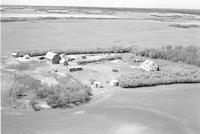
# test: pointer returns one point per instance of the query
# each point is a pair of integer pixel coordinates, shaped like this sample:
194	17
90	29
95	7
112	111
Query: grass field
83	33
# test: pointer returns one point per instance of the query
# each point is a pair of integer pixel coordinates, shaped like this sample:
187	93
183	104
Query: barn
54	57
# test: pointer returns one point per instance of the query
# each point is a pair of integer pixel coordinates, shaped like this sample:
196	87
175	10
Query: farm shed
75	68
63	62
114	83
15	54
97	84
149	65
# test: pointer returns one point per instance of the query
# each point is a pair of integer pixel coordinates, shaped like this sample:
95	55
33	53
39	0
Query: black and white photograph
100	67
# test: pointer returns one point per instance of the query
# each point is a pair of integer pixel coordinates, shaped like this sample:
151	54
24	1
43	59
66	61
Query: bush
58	96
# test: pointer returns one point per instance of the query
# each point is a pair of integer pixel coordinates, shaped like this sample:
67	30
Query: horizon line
114	7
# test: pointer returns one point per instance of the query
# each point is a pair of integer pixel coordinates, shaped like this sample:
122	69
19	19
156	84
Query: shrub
58	96
157	78
189	55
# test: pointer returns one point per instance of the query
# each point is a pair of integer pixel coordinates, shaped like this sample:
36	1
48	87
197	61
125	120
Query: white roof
14	54
50	55
114	81
148	62
97	82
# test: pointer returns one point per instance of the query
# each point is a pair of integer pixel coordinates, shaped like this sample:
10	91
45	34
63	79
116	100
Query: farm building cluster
75	63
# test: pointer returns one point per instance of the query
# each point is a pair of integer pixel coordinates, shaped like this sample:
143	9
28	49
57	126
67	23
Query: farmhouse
54	57
75	68
114	83
149	65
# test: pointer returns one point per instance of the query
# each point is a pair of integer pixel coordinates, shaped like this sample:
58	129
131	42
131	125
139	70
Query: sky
185	4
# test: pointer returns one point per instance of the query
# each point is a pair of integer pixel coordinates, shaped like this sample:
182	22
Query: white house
50	55
149	65
114	83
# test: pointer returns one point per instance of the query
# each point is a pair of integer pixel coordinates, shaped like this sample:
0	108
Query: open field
80	33
163	109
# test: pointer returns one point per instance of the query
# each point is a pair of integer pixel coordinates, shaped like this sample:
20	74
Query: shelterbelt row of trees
189	54
140	78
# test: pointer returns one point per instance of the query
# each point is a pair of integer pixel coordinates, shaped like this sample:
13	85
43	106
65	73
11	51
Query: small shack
114	83
54	57
97	84
63	62
149	65
75	68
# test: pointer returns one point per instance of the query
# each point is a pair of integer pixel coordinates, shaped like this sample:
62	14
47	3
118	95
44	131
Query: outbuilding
149	65
15	54
114	83
63	62
97	84
75	68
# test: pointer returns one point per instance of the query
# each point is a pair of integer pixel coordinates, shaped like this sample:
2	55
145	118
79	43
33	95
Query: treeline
189	55
113	49
141	79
